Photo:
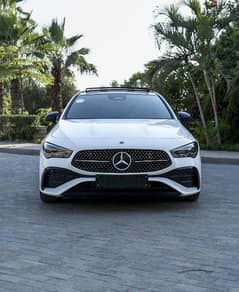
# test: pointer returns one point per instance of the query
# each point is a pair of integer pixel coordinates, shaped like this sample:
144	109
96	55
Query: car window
118	106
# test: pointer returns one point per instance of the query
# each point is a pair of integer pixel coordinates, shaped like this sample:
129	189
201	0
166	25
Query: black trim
91	187
186	176
130	89
55	176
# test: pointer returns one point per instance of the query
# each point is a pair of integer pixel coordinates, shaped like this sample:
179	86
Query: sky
118	33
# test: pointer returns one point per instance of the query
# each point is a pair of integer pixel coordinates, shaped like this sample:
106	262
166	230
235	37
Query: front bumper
59	182
59	177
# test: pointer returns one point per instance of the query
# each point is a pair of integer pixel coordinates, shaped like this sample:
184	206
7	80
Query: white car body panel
165	134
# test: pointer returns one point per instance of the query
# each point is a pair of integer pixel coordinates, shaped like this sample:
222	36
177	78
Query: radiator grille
101	161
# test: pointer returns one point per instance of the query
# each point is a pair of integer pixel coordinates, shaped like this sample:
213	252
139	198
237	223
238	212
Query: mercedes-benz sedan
119	139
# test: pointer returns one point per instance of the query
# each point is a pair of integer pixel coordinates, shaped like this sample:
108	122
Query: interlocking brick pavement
117	244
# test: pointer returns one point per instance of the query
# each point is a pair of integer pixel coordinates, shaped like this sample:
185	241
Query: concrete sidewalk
218	157
19	148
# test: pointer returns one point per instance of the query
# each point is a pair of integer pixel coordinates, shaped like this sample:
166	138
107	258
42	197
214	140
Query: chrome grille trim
100	160
93	161
149	161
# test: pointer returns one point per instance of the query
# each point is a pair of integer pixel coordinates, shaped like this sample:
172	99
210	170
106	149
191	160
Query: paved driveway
119	244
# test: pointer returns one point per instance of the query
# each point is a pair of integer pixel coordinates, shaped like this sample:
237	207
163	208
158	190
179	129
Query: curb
220	160
20	151
205	159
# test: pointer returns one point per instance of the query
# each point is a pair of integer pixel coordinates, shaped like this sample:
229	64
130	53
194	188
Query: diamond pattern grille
100	161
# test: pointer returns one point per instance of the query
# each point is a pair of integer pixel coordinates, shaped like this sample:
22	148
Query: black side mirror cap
52	117
185	117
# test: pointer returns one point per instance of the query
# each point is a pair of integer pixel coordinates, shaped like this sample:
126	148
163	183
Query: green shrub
18	127
198	133
226	132
41	113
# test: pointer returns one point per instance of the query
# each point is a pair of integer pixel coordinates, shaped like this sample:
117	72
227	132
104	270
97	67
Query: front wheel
49	199
191	198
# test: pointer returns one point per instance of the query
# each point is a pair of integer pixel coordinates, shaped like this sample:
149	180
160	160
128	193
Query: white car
119	139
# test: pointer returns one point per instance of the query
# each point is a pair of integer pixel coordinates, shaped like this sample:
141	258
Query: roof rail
93	89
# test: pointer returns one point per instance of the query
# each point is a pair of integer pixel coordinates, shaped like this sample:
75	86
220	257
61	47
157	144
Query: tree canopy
28	57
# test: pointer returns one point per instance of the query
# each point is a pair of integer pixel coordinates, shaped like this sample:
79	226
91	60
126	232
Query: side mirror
52	117
185	117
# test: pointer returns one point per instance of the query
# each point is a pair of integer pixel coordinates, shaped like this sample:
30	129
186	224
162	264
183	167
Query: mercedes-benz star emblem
122	161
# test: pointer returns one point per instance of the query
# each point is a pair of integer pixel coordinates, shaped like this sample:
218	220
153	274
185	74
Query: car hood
93	134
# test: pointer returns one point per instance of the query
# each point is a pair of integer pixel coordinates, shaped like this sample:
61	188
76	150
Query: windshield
117	106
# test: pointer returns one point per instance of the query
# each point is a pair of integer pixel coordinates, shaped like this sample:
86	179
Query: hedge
18	127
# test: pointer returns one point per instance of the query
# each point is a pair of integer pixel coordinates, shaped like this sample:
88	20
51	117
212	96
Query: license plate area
114	182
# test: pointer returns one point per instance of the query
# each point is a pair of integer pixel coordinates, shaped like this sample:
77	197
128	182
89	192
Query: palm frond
56	31
195	7
78	61
73	40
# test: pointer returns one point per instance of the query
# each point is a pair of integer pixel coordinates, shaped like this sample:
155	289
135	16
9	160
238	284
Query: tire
49	199
192	198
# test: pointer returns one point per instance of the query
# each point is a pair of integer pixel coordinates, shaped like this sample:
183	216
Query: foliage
13	66
192	40
41	113
64	58
22	127
36	97
45	59
136	80
21	50
7	105
228	64
114	83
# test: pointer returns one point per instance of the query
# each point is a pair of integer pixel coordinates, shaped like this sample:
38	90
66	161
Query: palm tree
6	73
64	58
19	50
158	70
194	37
11	29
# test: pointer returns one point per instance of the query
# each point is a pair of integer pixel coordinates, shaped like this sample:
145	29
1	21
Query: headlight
189	150
54	151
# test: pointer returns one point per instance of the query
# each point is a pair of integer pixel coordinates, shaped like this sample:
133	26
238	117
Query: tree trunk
57	89
219	141
16	96
204	125
21	96
1	98
212	92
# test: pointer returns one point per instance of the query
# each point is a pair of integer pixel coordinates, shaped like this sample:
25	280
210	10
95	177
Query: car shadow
127	202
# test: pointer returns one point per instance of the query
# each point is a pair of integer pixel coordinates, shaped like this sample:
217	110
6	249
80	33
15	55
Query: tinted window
118	106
